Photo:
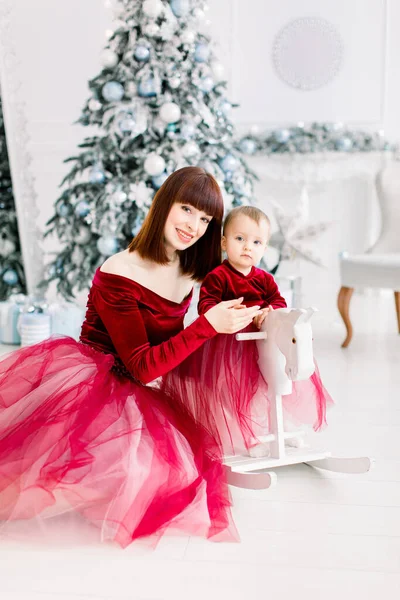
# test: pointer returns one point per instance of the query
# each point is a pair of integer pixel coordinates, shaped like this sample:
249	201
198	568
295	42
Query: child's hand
259	319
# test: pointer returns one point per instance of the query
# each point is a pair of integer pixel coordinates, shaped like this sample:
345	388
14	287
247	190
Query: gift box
10	311
34	327
66	319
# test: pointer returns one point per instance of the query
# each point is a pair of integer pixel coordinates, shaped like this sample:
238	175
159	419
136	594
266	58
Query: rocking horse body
285	354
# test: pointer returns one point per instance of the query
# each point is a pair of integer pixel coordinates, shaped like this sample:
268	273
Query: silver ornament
107	245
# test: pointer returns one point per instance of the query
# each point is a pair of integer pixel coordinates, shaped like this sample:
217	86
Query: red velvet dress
81	434
221	382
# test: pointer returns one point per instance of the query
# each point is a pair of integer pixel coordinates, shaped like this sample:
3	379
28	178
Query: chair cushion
370	270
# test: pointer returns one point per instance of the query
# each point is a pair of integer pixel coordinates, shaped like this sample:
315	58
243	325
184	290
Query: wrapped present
66	319
10	311
34	327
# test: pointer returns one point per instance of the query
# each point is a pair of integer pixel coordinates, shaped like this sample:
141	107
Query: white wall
58	46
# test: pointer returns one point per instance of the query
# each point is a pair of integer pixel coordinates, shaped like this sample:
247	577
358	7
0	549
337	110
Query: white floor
316	536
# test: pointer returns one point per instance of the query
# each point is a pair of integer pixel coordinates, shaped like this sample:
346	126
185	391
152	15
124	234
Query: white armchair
379	267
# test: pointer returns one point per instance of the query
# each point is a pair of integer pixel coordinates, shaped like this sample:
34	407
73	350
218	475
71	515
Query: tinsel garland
313	138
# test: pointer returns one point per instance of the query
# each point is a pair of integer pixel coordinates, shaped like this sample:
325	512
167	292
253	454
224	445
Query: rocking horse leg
361	464
397	303
251	480
344	298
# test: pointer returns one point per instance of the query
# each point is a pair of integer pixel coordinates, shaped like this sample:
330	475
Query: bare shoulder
124	263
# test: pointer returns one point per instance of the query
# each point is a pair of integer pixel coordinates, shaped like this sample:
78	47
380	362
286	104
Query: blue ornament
282	135
113	91
171	127
63	209
228	163
10	277
180	8
247	146
206	84
344	144
107	245
158	180
82	209
142	53
147	88
201	52
97	175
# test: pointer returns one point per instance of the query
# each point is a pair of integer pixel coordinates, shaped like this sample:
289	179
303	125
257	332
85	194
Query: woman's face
184	226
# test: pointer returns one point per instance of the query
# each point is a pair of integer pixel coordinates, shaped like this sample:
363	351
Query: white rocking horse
285	355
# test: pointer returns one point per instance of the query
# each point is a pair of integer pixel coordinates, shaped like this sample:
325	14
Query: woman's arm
121	316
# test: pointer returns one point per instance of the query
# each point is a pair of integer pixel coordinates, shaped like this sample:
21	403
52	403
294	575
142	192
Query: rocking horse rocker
285	355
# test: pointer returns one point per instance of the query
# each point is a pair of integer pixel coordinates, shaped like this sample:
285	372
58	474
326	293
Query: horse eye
293	340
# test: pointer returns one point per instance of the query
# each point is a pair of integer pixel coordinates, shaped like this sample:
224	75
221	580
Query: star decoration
295	235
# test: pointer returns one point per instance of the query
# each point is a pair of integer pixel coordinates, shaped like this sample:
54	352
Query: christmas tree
159	104
12	277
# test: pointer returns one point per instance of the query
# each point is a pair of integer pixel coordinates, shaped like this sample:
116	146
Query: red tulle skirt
77	437
223	388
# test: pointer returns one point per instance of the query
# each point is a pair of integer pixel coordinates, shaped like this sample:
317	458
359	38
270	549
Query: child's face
245	242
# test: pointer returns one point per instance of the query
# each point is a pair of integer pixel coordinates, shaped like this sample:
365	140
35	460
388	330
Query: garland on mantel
312	138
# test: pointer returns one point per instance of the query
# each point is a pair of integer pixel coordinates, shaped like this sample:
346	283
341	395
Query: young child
221	382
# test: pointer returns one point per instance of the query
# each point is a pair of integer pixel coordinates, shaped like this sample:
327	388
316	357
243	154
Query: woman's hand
225	319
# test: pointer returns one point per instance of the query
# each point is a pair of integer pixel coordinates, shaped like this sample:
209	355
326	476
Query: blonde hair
252	212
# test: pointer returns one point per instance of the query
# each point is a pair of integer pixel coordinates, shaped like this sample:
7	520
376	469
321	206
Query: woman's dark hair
196	187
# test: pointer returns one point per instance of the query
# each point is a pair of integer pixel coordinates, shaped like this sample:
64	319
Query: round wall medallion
308	53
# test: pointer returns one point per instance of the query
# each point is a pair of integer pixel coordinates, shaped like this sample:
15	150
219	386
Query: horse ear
306	315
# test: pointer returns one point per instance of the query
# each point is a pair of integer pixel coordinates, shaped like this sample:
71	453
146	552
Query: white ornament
188	36
190	149
218	71
151	29
94	105
174	82
119	197
109	58
152	8
154	164
198	14
7	247
170	112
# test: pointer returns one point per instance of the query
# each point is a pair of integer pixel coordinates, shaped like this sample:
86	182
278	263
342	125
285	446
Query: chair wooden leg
397	303
343	301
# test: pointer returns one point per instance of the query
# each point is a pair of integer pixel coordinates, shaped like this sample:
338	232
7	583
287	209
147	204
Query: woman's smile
183	235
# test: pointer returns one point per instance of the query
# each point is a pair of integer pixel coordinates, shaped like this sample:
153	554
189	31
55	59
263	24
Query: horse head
292	335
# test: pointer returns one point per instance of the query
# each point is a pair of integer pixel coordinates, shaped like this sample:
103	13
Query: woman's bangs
203	194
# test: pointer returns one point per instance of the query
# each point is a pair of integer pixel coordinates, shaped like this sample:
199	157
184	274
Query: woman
79	429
